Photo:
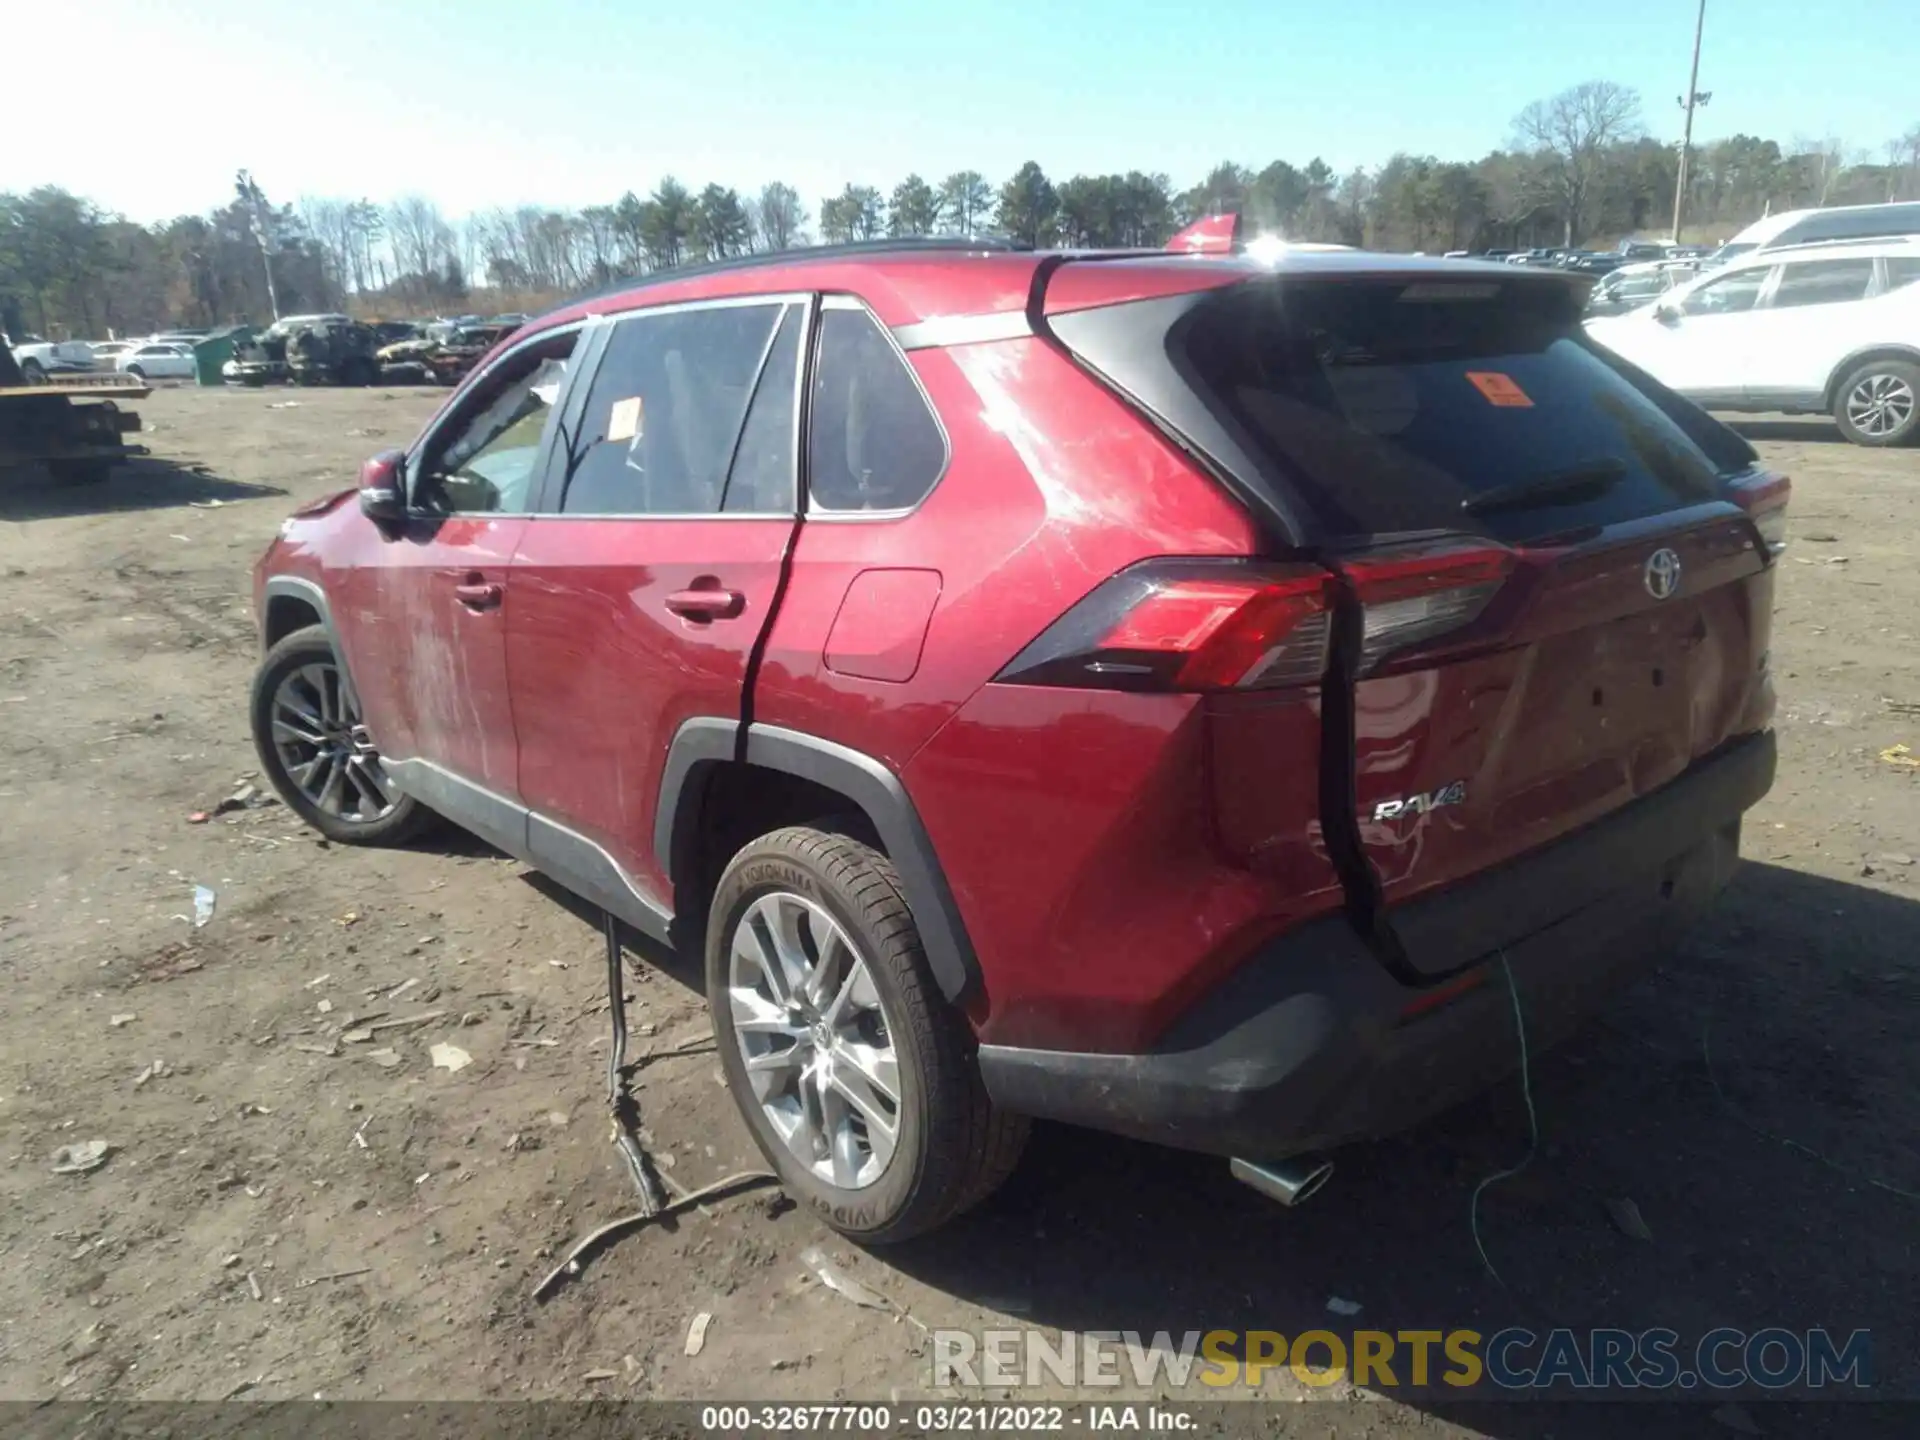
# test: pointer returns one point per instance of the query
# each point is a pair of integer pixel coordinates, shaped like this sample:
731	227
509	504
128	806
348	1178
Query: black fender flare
308	593
706	741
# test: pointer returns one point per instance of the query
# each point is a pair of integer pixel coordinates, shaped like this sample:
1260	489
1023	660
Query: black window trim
551	492
836	300
455	411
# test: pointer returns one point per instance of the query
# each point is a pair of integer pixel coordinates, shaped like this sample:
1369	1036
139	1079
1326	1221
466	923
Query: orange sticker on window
1499	389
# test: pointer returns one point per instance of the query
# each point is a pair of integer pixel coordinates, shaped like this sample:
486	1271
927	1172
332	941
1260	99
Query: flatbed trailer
72	424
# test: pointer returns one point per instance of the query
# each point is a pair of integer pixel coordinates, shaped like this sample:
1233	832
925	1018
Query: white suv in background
1808	330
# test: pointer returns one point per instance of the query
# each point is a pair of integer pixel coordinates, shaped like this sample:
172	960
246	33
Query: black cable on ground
745	1180
620	1101
626	1132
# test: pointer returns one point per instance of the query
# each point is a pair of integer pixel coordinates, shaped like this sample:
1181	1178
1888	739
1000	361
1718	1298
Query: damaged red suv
1167	693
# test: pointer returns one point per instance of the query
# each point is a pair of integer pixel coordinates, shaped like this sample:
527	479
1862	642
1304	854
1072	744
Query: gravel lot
282	1214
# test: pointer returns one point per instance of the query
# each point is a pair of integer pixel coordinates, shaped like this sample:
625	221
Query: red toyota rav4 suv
1164	693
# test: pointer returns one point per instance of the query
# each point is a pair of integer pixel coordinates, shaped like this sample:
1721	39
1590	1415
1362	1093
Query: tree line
1579	168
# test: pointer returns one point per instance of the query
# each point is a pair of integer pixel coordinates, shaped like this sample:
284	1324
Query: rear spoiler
1227	235
1210	235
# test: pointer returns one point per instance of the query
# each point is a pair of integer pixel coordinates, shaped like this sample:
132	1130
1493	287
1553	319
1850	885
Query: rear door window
1397	405
1822	282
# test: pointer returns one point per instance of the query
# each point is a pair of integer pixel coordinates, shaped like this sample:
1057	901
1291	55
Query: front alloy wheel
316	751
324	748
814	1039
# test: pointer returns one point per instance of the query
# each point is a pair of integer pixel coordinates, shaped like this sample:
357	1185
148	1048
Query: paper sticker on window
1499	389
625	421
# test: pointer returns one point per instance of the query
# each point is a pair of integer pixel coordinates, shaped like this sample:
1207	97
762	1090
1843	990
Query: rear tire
33	372
1878	404
314	751
821	918
136	372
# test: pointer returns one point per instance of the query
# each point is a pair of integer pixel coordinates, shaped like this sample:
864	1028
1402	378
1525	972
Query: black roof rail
797	254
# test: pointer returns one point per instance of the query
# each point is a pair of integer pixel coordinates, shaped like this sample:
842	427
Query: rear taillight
1186	625
1413	594
1764	498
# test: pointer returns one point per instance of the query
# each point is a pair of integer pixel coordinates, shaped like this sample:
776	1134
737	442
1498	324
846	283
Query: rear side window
1902	270
662	432
875	444
1394	405
1822	282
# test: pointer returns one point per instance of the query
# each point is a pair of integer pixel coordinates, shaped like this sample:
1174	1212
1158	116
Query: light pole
1693	97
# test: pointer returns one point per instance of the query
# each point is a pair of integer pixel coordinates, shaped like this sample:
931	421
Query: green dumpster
212	353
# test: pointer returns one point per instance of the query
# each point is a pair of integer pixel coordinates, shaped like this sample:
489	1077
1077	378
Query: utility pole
257	222
1693	97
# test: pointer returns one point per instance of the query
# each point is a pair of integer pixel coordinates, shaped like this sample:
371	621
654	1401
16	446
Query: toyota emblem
1662	574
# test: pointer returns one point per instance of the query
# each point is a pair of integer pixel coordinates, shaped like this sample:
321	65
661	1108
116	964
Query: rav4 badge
1420	804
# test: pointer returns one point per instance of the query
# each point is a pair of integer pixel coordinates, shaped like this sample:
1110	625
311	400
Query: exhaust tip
1288	1181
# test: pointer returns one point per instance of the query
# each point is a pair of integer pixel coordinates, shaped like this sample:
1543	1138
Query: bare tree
419	233
330	223
779	219
1906	156
1573	132
1822	161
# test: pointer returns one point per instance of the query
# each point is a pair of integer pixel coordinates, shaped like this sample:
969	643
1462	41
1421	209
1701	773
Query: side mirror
383	492
1667	313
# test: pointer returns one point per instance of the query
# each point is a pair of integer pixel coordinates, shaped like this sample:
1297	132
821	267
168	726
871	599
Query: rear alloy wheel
317	753
814	1039
856	1078
1879	404
32	372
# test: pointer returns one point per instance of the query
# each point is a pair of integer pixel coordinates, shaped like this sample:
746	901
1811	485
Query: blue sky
571	102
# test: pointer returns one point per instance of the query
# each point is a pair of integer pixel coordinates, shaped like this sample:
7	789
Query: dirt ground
283	1215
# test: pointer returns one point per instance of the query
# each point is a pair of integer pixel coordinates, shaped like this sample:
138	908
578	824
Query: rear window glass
1416	405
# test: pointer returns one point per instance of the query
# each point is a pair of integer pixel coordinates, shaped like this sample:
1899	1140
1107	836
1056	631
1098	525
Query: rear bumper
1311	1043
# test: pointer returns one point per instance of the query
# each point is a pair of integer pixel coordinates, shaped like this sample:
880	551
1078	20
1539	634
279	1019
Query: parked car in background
1630	250
1596	263
1122	690
1813	329
41	360
107	352
1631	286
1814	227
158	360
